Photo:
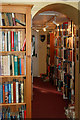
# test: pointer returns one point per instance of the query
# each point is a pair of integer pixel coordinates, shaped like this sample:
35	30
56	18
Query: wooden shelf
12	27
18	76
12	52
12	104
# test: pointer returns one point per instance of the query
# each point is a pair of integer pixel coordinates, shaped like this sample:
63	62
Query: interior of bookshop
37	63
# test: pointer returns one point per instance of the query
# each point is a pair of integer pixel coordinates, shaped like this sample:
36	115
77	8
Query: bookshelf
9	27
64	61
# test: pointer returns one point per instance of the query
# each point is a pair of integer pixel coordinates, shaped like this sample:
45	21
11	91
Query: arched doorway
73	14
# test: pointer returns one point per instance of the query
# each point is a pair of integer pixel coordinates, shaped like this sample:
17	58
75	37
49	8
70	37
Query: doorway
45	19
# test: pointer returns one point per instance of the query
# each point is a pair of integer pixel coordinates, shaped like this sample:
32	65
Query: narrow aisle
47	102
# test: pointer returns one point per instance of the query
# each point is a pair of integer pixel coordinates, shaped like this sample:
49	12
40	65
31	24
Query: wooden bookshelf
12	52
12	27
18	76
12	104
19	9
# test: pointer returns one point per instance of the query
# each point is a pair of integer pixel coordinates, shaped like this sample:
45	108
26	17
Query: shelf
12	52
18	76
12	27
12	104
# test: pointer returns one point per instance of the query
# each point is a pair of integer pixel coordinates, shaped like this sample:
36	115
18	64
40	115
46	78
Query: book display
15	61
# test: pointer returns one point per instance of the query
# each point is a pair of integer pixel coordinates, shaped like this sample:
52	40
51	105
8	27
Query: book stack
9	19
8	113
12	92
12	65
11	41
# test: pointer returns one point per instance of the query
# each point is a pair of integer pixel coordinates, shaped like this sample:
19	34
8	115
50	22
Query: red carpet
47	102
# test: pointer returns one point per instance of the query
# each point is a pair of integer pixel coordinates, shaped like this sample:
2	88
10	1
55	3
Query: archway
73	14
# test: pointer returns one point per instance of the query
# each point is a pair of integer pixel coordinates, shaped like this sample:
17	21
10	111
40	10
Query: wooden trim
12	27
28	62
18	76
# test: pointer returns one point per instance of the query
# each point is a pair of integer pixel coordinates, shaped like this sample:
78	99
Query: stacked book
20	114
12	65
12	92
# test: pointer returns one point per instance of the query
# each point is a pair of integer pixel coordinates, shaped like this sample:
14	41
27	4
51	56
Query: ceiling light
44	29
49	13
55	23
37	30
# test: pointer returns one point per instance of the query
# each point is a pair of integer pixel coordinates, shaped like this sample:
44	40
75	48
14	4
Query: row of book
19	115
9	19
11	41
12	92
12	65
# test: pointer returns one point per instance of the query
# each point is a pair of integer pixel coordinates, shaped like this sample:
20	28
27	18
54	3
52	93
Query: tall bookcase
18	10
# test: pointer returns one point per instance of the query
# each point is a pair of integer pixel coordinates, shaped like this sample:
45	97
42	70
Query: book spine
9	41
12	40
12	65
13	19
22	93
0	19
1	93
23	45
12	93
6	93
8	64
17	92
15	65
25	65
20	22
9	92
0	65
18	40
0	40
5	40
20	65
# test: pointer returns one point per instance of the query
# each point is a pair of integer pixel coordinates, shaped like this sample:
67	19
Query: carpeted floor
47	102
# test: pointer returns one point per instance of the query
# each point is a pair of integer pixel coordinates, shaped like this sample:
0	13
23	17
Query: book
15	65
12	40
17	92
18	40
20	22
6	93
9	92
22	92
13	19
12	100
0	40
1	93
9	41
14	90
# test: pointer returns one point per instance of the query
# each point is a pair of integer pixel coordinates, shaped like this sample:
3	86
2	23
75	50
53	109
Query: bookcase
15	60
65	42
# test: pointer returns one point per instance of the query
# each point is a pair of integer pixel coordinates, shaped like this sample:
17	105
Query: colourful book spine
5	40
0	65
20	22
9	41
15	65
25	64
17	92
12	65
6	93
0	40
1	93
9	93
12	40
20	65
18	40
22	92
14	91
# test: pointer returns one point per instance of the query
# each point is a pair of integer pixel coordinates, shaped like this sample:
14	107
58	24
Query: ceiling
46	18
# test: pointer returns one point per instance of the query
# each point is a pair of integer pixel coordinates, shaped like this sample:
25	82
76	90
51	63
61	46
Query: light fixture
55	23
44	29
37	30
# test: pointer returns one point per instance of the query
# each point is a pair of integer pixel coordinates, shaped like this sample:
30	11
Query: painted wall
42	47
